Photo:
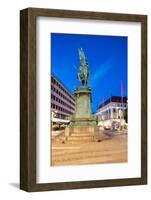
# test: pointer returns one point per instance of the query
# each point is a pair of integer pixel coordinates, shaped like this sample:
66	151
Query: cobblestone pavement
112	149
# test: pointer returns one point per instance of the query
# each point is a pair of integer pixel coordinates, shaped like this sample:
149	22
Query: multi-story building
111	111
62	101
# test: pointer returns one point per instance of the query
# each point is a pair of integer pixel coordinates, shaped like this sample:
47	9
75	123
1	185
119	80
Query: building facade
62	101
111	111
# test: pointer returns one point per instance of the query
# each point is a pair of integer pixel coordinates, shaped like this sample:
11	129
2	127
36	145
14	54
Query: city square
85	130
107	149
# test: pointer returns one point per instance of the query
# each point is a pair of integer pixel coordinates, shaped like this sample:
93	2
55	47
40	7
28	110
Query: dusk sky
107	59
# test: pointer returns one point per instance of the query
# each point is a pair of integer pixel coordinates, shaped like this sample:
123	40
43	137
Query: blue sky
107	59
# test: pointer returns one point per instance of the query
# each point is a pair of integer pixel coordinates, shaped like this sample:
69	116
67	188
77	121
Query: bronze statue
83	74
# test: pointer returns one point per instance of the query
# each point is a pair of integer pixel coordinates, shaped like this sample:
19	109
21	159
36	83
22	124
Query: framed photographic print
83	99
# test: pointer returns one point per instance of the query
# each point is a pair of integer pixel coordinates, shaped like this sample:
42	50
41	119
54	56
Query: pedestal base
82	122
82	125
79	134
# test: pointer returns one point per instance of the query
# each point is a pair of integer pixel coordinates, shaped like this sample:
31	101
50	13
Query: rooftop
115	99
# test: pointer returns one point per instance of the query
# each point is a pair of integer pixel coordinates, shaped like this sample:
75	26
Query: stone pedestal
82	124
83	114
83	102
78	134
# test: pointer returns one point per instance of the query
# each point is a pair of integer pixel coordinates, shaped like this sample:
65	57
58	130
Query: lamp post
121	114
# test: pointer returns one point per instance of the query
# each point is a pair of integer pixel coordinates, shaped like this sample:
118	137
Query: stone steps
82	130
79	138
82	135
